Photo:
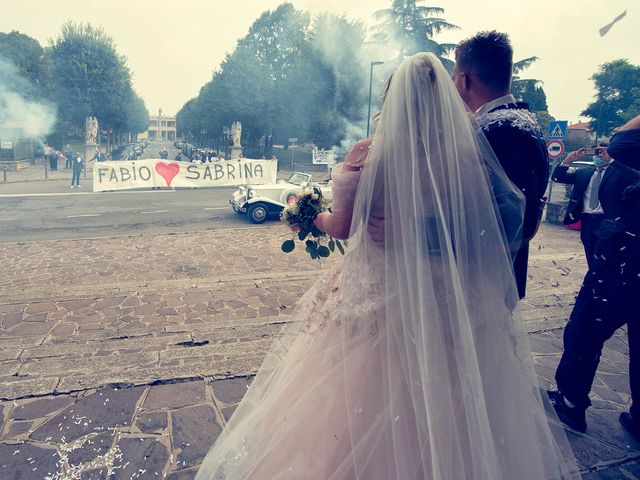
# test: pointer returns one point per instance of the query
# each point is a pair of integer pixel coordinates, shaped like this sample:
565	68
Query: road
43	210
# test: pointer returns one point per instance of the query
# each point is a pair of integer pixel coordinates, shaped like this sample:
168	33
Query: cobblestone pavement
124	357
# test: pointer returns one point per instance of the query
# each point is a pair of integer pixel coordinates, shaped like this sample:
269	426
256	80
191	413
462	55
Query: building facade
162	127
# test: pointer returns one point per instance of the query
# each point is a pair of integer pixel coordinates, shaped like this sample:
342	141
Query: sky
173	47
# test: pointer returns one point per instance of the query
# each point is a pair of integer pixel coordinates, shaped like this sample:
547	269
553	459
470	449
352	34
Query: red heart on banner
167	171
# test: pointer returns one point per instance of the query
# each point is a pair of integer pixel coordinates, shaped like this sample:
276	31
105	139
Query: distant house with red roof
580	133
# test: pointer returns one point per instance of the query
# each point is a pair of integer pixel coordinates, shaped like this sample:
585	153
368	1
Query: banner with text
128	174
324	157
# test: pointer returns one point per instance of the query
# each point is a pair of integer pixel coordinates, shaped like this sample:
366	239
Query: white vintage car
259	202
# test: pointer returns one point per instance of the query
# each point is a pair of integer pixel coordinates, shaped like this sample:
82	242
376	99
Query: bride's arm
338	223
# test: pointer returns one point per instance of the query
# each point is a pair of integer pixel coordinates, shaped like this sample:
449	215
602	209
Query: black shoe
573	417
630	424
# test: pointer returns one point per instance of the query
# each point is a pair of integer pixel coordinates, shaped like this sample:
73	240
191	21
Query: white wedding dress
407	361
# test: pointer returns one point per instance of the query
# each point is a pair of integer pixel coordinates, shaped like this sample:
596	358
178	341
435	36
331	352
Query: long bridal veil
409	360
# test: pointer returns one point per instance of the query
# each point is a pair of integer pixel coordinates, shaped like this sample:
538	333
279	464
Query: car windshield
298	179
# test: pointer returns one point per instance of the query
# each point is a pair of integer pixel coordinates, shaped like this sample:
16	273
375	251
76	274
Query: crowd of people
72	160
199	155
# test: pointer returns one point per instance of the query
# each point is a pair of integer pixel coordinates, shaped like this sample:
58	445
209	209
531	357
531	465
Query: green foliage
28	56
523	64
136	114
90	78
288	246
531	92
544	118
526	89
634	109
412	27
288	77
616	101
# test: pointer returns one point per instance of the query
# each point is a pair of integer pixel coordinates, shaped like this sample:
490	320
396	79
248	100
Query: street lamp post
226	132
370	87
292	142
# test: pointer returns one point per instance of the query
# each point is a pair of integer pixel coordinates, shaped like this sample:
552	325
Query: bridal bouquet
299	214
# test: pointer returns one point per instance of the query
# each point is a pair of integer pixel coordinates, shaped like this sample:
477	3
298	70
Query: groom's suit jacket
515	137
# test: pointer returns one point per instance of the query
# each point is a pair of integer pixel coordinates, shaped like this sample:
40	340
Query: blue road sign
558	130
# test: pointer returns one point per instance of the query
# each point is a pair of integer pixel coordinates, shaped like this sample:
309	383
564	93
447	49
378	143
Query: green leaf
288	246
310	243
302	234
324	251
340	247
332	245
315	231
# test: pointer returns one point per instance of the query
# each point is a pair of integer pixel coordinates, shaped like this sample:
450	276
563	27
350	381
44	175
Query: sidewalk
128	355
32	180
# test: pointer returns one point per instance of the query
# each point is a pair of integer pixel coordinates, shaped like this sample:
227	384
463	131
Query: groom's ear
465	81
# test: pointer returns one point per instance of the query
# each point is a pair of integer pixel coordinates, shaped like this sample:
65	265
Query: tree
528	90
136	114
411	27
339	43
28	56
288	77
90	78
531	92
187	118
544	119
616	100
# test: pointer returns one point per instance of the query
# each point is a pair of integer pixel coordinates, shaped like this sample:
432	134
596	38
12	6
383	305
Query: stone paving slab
171	328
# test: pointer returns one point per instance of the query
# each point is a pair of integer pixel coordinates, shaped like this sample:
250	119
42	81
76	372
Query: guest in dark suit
584	204
77	165
608	298
99	156
68	155
482	75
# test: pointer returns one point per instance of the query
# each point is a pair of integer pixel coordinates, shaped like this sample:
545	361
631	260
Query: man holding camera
584	205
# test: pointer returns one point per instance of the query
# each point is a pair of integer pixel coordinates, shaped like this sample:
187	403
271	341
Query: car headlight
251	193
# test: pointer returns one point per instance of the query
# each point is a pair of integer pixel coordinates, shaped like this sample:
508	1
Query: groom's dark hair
489	55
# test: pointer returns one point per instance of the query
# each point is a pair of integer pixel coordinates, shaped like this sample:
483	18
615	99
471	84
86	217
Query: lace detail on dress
346	299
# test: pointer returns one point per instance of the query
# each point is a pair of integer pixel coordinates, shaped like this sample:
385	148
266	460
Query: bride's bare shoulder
358	154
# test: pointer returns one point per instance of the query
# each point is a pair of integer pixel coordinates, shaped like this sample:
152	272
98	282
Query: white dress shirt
587	195
504	100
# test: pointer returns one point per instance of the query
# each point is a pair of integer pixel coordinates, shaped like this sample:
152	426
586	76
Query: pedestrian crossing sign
558	130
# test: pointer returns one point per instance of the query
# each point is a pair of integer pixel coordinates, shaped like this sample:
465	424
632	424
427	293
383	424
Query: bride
408	360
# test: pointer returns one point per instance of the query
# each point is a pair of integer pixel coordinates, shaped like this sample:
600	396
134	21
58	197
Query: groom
482	75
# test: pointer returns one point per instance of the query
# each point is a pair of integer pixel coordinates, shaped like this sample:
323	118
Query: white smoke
20	116
351	62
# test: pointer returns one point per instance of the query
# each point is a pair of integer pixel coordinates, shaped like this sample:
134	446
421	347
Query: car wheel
287	195
257	213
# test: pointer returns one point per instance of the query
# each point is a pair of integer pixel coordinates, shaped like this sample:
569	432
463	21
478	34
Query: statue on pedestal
236	133
91	131
90	138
